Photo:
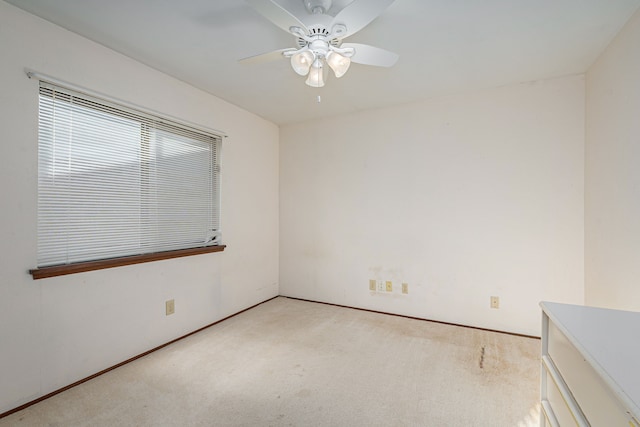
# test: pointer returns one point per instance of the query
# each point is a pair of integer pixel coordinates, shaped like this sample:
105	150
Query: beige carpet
295	363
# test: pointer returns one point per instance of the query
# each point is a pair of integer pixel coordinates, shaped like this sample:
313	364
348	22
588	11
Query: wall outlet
170	307
372	285
381	287
495	302
405	288
389	286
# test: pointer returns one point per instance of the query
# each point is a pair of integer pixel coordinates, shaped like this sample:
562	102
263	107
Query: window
114	182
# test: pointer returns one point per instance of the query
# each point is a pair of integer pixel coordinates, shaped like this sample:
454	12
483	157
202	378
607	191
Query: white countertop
609	340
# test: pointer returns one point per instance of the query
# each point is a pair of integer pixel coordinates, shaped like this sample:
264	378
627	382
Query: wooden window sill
80	267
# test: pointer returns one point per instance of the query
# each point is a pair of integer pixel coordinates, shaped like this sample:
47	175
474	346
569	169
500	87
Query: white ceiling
445	46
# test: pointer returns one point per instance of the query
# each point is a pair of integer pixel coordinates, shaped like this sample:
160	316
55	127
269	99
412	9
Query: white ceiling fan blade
277	14
265	57
371	55
359	14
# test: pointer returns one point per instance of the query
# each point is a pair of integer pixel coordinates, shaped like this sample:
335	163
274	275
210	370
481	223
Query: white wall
612	197
462	198
56	331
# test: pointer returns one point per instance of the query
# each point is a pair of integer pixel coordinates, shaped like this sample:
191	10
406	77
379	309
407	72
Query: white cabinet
590	373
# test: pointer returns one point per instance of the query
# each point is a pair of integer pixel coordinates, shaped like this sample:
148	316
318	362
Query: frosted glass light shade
316	78
338	63
301	62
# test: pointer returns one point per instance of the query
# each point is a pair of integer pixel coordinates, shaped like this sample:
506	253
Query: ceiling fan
319	37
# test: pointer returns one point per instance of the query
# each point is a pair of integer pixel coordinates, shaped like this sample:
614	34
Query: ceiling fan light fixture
338	63
301	62
316	77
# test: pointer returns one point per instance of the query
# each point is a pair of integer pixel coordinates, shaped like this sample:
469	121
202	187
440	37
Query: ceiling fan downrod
317	6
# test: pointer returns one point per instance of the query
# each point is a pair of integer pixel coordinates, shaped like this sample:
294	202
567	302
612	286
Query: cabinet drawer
591	393
558	405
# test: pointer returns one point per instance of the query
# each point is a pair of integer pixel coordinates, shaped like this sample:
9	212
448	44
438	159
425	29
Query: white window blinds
115	182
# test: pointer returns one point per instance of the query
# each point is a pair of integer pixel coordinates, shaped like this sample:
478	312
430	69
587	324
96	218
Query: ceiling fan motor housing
319	33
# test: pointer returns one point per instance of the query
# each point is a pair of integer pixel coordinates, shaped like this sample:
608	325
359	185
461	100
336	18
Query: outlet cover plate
170	307
495	302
